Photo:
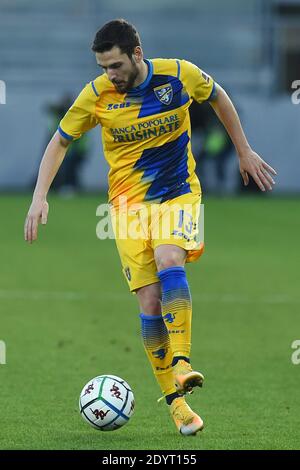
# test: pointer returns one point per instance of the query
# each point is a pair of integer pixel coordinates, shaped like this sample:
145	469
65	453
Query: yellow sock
177	309
157	346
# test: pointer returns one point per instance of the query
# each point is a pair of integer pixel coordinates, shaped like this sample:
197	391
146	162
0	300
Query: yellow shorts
140	228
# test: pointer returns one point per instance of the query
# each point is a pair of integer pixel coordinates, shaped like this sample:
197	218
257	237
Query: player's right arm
51	161
80	118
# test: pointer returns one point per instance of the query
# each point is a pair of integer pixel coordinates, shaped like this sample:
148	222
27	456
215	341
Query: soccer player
142	107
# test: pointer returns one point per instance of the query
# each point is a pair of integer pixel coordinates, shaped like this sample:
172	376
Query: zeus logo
2	92
296	94
117	106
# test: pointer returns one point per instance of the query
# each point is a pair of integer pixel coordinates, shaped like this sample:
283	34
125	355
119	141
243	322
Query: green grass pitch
67	316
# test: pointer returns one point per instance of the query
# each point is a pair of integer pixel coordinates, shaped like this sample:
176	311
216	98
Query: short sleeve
199	85
81	116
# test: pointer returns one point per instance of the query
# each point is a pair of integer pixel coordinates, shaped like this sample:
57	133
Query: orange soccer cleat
186	378
187	422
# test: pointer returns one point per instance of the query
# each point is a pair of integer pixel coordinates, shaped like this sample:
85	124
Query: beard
125	86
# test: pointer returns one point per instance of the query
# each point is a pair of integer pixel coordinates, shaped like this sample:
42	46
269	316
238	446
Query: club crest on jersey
164	93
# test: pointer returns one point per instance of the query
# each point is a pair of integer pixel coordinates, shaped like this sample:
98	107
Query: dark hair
118	33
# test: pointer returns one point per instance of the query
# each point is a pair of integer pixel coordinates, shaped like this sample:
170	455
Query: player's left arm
250	162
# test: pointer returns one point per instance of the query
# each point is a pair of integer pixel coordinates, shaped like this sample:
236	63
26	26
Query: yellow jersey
146	132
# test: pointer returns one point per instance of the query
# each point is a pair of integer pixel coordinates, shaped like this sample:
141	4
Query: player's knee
169	260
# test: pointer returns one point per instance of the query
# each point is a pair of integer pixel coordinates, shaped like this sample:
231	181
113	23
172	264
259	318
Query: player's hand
38	213
251	164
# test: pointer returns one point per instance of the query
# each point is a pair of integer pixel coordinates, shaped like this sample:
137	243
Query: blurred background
252	48
63	300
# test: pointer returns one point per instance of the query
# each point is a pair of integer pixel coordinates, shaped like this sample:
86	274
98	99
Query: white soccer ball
106	402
